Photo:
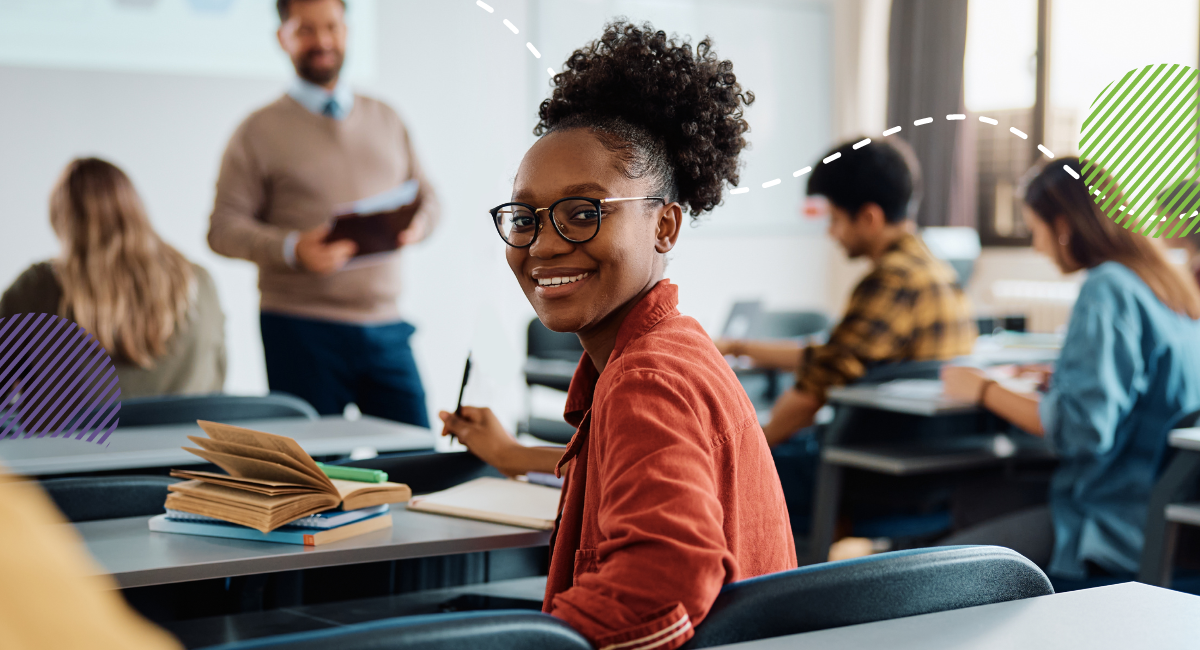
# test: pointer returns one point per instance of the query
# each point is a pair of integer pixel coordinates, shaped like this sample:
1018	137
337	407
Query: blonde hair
120	281
1054	194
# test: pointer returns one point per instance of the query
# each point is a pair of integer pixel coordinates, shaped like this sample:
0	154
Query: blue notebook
322	520
283	535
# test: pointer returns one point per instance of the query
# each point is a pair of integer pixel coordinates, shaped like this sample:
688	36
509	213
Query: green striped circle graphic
1138	142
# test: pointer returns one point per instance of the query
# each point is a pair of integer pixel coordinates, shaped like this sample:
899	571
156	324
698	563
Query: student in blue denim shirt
1128	373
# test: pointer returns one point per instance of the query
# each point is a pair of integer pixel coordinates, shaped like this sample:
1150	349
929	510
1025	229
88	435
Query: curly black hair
664	109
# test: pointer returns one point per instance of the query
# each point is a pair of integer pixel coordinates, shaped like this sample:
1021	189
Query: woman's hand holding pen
480	430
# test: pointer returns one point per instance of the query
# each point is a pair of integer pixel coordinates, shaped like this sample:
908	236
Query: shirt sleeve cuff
1048	414
666	629
289	248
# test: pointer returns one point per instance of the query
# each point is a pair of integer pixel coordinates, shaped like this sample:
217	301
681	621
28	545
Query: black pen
463	388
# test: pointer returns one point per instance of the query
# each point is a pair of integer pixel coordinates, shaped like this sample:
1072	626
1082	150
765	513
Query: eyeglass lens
575	219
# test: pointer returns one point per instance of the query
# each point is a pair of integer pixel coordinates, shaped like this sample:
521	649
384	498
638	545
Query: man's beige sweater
284	170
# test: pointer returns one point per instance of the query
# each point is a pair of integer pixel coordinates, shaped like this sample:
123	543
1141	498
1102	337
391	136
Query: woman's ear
1062	230
670	222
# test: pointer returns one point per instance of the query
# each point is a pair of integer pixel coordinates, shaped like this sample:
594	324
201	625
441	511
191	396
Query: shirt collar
316	98
659	303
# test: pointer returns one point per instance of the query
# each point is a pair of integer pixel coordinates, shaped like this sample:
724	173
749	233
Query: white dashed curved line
828	159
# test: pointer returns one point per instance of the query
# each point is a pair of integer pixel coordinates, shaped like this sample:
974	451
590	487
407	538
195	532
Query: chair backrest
543	343
492	630
183	409
789	324
867	589
108	497
426	472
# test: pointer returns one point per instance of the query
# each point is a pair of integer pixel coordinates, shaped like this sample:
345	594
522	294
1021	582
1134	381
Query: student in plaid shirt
908	308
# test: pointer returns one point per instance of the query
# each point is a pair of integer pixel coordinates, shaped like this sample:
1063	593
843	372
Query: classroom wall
468	90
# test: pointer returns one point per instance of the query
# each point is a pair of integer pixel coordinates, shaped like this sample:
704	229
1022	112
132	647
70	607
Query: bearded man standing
332	332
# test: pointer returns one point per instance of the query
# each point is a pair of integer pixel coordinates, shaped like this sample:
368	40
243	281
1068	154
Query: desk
1163	515
137	557
923	457
1118	617
161	446
948	451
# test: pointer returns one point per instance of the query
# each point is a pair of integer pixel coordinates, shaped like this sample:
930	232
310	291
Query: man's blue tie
330	109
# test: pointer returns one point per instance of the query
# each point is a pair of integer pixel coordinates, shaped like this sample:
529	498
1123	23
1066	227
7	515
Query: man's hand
730	346
417	230
482	433
315	255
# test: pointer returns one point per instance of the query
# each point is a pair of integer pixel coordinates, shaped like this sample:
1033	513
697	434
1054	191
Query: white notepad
498	500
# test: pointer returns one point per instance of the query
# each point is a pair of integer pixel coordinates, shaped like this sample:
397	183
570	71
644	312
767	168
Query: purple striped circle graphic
55	379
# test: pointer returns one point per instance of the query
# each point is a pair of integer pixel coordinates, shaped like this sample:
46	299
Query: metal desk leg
1158	548
826	501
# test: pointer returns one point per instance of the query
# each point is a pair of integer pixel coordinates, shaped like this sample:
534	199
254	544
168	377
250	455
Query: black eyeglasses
576	218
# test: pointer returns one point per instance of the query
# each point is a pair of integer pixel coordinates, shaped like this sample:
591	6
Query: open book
271	481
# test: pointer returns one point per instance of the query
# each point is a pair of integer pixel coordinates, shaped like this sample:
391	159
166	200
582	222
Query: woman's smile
551	284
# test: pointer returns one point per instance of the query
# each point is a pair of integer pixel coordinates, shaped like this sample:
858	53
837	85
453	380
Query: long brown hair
1054	194
121	282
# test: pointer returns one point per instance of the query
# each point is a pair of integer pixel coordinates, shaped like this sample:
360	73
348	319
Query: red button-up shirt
671	491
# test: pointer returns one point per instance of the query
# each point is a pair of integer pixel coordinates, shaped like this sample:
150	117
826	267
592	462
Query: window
1085	45
1000	83
1095	42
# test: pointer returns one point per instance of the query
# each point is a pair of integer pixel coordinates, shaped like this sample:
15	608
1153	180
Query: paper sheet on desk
933	388
913	388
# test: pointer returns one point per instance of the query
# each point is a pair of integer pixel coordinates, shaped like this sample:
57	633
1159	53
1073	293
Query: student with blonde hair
153	311
1128	373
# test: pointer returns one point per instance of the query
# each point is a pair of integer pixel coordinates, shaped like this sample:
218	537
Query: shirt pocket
585	562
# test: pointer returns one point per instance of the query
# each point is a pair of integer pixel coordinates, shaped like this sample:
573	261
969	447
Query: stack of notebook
271	482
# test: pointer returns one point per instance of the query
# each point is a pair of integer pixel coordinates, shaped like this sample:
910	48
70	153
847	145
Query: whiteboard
226	38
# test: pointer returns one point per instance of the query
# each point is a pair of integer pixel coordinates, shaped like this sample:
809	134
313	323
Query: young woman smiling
671	491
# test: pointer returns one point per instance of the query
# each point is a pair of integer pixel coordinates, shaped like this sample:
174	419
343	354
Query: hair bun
689	101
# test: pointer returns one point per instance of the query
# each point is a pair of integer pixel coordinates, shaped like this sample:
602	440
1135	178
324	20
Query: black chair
552	357
747	320
867	589
427	472
108	497
183	409
1179	480
493	630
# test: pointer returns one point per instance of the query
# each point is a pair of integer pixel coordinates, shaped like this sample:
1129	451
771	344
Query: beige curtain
926	43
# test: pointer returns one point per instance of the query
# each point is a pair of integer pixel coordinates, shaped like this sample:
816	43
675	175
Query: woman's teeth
554	282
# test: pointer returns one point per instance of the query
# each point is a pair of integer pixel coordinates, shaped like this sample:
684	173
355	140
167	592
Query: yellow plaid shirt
908	308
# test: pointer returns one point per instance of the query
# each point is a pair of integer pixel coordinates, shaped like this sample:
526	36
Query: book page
243	436
261	486
356	494
243	467
270	455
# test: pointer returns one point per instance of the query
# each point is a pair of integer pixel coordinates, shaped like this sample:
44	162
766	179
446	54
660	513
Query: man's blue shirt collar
316	99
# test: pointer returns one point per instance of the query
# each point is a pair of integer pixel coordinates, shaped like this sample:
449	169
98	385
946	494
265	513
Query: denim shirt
1129	370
